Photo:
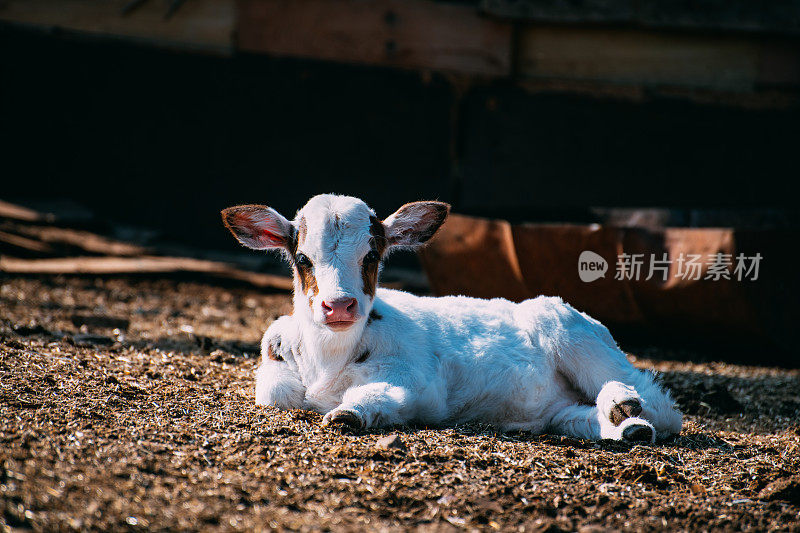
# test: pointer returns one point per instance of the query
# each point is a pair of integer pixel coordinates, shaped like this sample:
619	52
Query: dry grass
152	426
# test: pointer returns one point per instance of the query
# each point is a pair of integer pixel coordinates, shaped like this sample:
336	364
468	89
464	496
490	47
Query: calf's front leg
277	384
371	405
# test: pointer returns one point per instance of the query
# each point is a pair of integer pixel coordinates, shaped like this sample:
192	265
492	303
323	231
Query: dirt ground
128	405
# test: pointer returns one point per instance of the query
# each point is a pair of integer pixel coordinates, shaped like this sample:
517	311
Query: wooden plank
106	265
638	57
17	212
82	240
29	245
139	265
199	24
773	16
401	33
779	64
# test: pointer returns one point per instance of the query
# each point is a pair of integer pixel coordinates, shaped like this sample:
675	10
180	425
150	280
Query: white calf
367	356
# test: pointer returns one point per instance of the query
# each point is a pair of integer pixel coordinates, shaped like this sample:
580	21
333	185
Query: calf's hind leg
599	370
590	422
584	352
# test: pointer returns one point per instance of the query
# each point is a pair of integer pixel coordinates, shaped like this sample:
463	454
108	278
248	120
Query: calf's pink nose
339	309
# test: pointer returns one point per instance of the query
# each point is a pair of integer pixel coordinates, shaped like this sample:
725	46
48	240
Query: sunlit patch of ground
151	425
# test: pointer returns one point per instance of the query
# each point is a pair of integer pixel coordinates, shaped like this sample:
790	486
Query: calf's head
336	245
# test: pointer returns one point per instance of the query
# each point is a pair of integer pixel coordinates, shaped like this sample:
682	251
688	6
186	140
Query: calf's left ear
258	227
415	223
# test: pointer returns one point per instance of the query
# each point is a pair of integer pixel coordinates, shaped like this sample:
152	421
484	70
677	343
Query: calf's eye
371	257
303	261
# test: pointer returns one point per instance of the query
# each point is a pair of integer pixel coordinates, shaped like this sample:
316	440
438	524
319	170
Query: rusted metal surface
543	260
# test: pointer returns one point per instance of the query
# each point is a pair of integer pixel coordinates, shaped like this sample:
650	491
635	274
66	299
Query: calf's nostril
344	307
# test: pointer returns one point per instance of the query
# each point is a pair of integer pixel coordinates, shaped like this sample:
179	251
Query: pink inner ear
265	238
258	231
255	226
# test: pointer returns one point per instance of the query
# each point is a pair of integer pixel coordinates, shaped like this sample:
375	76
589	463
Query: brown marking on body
369	270
374	315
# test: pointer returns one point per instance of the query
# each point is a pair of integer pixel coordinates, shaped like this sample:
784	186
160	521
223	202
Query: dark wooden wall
168	139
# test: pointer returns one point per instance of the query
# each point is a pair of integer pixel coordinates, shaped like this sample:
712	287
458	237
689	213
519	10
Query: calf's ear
415	223
258	227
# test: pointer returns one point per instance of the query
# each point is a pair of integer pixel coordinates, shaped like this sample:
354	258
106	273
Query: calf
368	356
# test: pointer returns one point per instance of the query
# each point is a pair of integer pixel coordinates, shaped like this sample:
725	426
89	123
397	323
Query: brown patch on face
271	353
369	277
291	244
304	272
372	262
302	230
378	233
307	280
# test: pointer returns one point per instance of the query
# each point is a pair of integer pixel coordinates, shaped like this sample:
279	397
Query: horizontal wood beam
398	33
203	25
638	57
774	17
442	36
139	265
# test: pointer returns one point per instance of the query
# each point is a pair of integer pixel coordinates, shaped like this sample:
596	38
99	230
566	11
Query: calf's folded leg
277	384
371	405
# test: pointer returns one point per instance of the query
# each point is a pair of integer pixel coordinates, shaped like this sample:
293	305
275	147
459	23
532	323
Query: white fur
538	365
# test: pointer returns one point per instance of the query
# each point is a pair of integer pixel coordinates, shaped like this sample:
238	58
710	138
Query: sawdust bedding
127	404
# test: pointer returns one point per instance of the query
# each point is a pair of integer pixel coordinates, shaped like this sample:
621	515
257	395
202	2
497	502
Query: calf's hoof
639	432
623	410
343	418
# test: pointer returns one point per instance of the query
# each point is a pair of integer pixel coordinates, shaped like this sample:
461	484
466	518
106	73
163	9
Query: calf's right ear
258	227
415	223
